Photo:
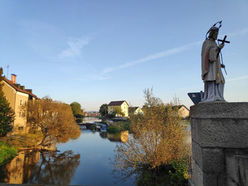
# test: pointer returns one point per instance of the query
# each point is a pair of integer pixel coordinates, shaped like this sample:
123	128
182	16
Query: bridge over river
91	120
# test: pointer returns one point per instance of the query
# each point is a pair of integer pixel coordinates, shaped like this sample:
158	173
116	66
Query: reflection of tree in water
53	168
45	167
117	137
12	172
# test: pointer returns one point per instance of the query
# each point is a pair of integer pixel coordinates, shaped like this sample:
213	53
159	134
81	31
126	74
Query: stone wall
219	144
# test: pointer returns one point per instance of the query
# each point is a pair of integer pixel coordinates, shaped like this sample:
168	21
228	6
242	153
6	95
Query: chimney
13	78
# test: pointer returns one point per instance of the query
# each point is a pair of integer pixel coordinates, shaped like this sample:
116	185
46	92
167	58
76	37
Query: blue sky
93	52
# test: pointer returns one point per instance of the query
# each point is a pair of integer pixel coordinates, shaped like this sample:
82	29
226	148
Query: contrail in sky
162	54
152	57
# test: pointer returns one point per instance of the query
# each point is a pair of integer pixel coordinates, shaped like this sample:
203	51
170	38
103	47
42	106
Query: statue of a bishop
211	67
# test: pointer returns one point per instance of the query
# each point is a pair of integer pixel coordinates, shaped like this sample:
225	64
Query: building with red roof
18	97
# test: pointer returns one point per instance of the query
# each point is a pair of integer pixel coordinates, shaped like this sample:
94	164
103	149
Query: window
20	102
20	128
20	114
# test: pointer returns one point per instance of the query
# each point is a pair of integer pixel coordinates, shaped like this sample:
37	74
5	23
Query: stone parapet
219	136
211	110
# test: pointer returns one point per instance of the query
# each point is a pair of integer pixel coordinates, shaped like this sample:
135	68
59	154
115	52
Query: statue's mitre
214	28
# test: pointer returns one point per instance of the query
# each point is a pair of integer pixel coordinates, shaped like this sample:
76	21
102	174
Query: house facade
134	111
121	106
183	111
18	97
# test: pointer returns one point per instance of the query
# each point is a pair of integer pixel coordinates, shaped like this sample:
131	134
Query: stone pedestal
219	143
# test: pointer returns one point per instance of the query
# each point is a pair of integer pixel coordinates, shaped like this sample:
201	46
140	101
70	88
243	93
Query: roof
132	109
25	91
180	106
116	103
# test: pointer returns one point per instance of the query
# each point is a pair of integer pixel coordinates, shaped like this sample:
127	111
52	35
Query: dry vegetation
158	138
53	119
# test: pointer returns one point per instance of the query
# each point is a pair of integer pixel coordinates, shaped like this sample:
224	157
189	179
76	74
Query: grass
6	153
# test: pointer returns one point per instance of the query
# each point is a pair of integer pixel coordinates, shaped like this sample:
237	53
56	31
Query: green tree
104	110
6	113
76	109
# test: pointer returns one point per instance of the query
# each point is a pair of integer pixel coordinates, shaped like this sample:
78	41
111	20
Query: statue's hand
222	66
221	45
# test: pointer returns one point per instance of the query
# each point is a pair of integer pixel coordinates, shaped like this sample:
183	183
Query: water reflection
15	172
97	160
118	137
87	160
41	168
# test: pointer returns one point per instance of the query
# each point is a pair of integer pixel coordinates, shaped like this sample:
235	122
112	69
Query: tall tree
6	113
54	119
76	109
104	110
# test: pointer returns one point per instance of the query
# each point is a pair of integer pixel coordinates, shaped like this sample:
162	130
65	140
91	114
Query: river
87	160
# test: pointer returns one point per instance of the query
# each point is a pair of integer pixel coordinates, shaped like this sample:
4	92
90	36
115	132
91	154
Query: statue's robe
211	72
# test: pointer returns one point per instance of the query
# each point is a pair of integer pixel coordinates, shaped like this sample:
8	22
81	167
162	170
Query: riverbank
6	153
10	145
24	141
118	127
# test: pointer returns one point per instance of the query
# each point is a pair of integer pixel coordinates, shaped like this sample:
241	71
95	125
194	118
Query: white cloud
74	48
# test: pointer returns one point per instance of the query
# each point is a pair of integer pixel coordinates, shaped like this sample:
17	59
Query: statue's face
215	35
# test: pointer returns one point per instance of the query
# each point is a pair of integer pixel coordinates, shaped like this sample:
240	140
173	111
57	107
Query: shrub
124	125
119	126
6	153
113	129
159	139
180	171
